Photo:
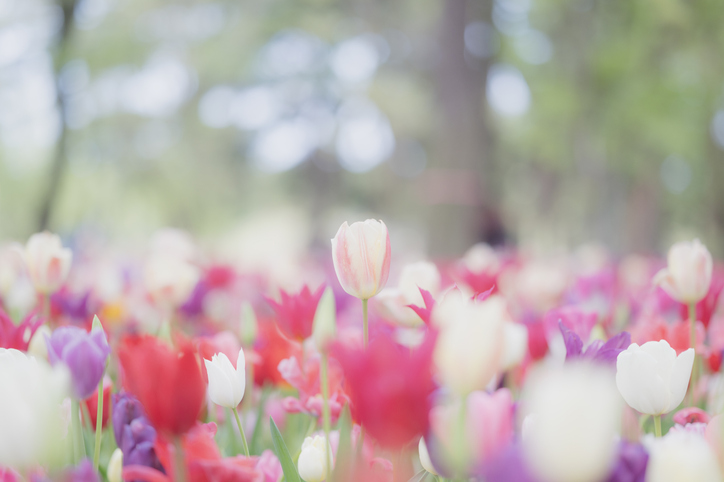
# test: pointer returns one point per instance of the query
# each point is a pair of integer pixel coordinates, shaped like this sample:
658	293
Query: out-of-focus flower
689	415
306	380
295	313
313	465
630	465
479	268
31	425
361	256
269	465
38	346
325	321
11	267
487	431
91	403
226	383
597	351
222	342
84	472
133	432
681	455
170	280
415	279
48	262
391	404
469	348
425	457
83	353
688	274
515	346
272	347
565	443
167	382
114	471
18	336
651	378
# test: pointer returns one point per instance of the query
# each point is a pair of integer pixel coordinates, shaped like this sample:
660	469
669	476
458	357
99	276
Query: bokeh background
541	123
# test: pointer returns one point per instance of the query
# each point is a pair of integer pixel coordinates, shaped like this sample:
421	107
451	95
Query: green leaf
290	471
344	453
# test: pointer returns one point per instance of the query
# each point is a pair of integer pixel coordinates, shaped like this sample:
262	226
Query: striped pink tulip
361	255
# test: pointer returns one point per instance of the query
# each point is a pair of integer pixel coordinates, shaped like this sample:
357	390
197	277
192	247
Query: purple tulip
630	464
84	472
508	467
85	355
597	351
135	435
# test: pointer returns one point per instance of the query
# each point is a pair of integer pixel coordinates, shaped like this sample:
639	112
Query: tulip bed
172	365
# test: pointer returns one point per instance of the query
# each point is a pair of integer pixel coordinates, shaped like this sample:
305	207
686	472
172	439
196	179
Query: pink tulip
361	255
688	274
48	261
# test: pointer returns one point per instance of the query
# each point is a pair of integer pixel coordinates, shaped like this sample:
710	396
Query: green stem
692	344
99	425
77	436
241	430
657	425
179	461
326	416
365	324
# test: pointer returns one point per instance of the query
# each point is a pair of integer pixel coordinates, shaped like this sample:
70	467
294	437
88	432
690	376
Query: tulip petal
680	375
240	376
639	383
220	390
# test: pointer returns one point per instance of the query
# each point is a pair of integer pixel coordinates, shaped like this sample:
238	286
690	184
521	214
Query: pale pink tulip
688	274
361	255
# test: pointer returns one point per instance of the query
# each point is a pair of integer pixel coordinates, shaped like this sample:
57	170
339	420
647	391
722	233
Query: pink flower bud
48	261
361	255
688	274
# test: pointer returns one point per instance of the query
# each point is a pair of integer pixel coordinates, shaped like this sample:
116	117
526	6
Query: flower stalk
657	425
99	426
326	416
241	431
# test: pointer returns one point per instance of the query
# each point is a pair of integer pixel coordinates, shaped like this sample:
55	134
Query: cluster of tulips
498	366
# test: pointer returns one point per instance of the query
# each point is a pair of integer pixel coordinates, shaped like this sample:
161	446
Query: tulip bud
651	378
114	472
425	457
47	261
312	464
324	328
249	325
226	384
361	256
38	346
470	345
688	274
573	435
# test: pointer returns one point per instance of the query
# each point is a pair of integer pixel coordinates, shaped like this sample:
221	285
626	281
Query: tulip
312	463
688	274
682	455
471	343
402	303
170	280
576	410
115	467
133	432
83	353
361	256
31	425
651	378
425	457
47	261
167	382
325	321
295	313
227	385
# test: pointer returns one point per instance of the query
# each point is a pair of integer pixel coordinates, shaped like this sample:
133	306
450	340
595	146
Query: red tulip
390	388
295	313
167	382
272	347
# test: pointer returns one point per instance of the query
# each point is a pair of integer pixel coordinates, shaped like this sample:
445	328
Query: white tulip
170	280
651	378
312	463
38	346
470	345
48	262
226	384
515	345
681	455
576	412
425	457
114	472
688	274
422	274
31	425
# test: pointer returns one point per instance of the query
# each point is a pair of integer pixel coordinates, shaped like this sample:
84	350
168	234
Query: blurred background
541	123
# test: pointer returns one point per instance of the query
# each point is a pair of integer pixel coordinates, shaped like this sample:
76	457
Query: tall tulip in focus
361	256
227	385
48	264
652	379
